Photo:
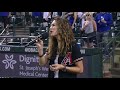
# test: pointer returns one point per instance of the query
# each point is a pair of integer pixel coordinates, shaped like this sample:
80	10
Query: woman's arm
75	69
65	14
43	58
75	18
94	26
84	25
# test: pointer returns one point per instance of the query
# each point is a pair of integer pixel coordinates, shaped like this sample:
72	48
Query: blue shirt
70	19
102	27
37	14
4	13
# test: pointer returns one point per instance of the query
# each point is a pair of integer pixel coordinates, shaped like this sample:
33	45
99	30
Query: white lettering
21	73
28	60
44	68
4	48
32	74
32	68
82	51
37	74
31	50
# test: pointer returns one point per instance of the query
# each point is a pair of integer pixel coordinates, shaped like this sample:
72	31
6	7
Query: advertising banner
21	65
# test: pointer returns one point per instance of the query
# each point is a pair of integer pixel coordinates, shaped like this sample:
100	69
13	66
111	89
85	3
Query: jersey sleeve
76	54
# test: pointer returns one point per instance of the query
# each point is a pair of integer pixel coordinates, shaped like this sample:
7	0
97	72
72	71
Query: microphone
42	36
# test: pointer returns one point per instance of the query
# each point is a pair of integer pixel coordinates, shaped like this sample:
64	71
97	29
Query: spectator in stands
94	14
72	17
56	14
46	18
89	29
12	17
60	48
4	18
37	18
81	17
27	18
104	21
13	13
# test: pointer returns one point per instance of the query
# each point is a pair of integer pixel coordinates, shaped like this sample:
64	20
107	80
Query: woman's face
88	16
53	29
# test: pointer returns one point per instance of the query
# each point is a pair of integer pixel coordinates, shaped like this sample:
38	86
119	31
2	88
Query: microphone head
44	35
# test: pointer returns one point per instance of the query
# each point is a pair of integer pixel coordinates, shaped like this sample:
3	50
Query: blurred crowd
88	24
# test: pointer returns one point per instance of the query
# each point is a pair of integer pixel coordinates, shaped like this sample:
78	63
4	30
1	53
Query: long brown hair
66	37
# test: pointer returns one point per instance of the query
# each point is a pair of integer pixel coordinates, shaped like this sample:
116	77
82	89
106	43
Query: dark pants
104	37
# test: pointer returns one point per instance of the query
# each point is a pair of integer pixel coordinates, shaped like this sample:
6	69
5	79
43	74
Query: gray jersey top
89	28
